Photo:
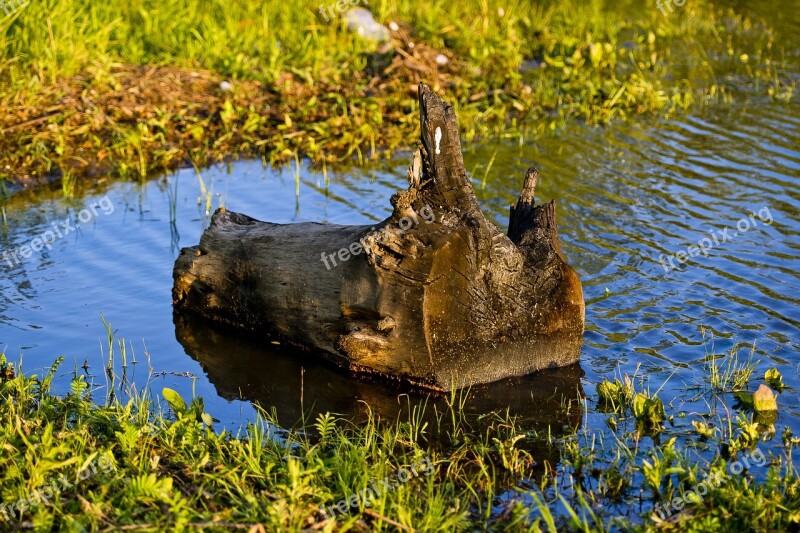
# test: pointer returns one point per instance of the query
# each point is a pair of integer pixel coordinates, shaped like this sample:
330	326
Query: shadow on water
298	387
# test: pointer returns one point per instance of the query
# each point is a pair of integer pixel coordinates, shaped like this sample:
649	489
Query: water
628	196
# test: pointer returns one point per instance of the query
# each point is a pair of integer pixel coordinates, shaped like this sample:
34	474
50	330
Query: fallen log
435	295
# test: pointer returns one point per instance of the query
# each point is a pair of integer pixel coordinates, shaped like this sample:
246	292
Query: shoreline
106	116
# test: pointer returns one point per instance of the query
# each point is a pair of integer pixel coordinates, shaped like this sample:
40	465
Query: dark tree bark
435	295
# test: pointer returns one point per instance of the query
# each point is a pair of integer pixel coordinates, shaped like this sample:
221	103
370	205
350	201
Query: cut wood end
415	170
526	196
427	99
442	163
438	128
526	217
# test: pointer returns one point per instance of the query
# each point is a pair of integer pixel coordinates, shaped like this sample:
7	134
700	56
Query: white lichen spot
437	137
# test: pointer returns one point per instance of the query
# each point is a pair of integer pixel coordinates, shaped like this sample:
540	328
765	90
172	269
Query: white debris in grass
361	21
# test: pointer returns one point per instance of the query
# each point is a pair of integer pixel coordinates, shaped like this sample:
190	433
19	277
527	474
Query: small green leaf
703	429
744	398
608	391
208	419
774	379
78	386
174	400
649	410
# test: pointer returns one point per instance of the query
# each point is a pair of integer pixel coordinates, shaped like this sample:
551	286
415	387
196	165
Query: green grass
154	464
130	88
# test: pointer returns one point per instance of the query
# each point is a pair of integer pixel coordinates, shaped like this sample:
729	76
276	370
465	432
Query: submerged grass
89	88
163	467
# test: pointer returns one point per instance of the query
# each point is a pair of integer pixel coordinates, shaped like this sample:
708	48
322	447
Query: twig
386	519
30	122
226	525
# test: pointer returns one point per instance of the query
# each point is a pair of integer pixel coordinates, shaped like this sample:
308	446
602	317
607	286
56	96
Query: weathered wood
435	294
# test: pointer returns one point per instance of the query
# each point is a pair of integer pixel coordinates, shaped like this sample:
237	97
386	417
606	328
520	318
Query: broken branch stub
434	295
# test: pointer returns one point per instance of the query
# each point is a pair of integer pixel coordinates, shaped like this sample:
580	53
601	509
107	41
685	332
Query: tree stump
435	295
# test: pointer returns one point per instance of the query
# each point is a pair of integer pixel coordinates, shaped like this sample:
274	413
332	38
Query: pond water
629	196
